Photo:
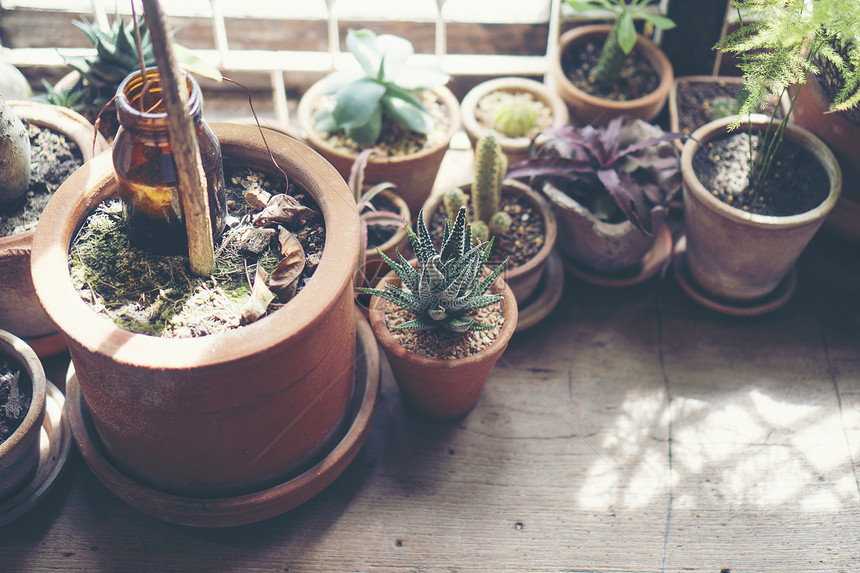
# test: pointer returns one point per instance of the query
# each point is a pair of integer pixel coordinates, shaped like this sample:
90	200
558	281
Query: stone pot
586	109
515	148
599	245
229	413
20	311
413	174
742	256
445	389
19	454
374	267
522	280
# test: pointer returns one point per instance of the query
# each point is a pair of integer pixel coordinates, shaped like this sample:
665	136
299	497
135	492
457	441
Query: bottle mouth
143	107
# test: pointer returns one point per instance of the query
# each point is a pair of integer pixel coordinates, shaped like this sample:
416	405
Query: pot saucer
248	508
55	442
546	294
776	299
650	265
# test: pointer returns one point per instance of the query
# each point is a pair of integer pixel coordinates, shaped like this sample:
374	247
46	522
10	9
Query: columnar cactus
490	168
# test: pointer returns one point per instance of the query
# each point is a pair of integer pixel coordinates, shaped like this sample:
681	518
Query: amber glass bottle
145	170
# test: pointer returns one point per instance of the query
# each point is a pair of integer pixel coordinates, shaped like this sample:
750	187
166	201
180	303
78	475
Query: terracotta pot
587	109
228	413
811	111
515	148
20	311
597	244
523	279
19	454
413	174
444	389
741	256
374	268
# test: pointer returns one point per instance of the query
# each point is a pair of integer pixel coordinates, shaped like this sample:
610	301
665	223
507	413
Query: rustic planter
515	148
445	389
587	109
740	256
19	454
522	280
412	174
228	413
20	311
374	267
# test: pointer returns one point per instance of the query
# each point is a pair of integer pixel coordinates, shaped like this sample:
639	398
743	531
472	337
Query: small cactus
491	164
516	116
453	199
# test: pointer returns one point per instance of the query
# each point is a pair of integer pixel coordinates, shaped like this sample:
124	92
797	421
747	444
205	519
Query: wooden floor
632	431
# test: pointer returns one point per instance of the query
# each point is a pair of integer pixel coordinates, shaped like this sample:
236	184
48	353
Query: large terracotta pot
20	311
444	389
228	413
19	454
586	109
515	148
412	174
596	244
522	280
742	256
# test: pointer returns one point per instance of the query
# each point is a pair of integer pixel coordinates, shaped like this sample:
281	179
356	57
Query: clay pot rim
793	133
659	61
97	334
677	83
305	110
385	338
400	234
541	92
533	197
27	359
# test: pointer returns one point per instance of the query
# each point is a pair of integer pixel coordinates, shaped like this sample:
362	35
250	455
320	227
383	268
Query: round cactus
499	223
453	199
516	116
480	231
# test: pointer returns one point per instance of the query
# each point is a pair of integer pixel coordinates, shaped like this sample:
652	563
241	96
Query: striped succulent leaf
448	284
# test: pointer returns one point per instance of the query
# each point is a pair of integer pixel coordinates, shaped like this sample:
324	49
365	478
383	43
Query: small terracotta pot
522	280
445	389
374	268
586	109
515	148
225	414
413	175
20	311
19	454
742	256
597	244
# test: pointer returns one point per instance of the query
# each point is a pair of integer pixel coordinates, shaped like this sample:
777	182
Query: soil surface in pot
798	182
443	344
53	157
394	139
16	393
158	295
487	110
702	102
379	234
521	242
638	77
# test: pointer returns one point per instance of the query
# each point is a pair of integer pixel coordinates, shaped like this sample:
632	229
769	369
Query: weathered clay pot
741	256
586	109
597	244
412	174
522	280
444	389
19	454
20	311
374	268
223	414
515	148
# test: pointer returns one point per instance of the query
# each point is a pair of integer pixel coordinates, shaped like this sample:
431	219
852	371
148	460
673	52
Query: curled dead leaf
283	209
260	299
284	279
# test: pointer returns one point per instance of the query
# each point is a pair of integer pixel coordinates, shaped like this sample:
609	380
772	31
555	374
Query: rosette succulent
448	284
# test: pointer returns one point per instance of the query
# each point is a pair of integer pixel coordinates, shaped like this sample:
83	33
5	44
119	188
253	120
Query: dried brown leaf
260	299
283	209
284	279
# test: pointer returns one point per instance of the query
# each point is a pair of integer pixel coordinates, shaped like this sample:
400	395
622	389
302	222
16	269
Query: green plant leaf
357	102
196	65
583	5
367	133
660	22
415	118
363	45
324	121
421	78
396	51
626	32
338	79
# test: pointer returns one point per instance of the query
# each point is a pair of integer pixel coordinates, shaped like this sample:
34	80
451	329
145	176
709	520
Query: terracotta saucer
650	265
546	295
55	442
776	299
48	345
249	508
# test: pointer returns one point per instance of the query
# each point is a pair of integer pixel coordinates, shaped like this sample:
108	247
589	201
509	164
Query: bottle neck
144	110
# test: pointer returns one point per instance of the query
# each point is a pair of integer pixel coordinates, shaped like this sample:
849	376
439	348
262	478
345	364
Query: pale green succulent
448	284
517	116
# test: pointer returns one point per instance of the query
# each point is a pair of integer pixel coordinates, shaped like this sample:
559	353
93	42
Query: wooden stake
189	166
